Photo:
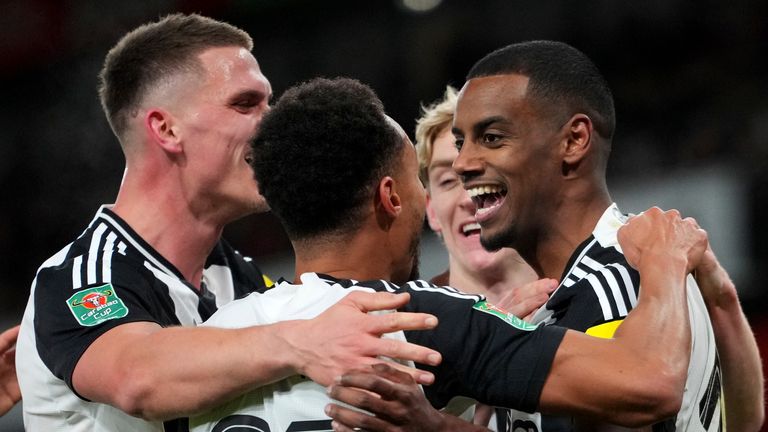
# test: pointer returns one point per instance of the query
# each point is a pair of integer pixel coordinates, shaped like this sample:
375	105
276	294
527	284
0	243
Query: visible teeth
481	190
470	227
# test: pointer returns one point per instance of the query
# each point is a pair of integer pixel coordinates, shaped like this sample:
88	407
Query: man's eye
447	182
490	138
459	143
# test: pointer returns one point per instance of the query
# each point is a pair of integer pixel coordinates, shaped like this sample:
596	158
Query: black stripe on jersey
310	425
206	305
711	398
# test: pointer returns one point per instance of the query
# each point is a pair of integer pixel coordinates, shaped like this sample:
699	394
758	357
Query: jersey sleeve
601	300
488	354
68	320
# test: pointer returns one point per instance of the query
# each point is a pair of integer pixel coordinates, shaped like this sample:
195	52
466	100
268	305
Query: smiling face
218	117
452	213
508	160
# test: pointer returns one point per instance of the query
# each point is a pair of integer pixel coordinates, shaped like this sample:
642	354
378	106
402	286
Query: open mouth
486	198
471	229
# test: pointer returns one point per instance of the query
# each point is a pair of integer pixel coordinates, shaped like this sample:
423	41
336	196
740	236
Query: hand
394	400
522	301
346	337
657	234
714	283
9	385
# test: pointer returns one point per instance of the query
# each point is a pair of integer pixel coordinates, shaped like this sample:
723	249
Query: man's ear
432	217
577	141
389	200
162	130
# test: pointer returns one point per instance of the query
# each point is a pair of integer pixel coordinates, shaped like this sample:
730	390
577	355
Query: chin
493	243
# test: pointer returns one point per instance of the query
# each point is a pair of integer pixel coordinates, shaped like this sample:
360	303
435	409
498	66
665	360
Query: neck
571	223
362	255
159	214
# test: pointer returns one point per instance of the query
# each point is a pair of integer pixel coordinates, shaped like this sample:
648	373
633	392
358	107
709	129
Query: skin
664	248
9	385
186	177
737	347
553	199
501	275
504	144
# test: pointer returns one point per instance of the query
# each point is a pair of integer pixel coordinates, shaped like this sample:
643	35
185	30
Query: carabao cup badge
484	306
93	306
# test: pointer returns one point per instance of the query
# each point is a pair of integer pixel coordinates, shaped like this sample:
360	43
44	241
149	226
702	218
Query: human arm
739	356
638	376
163	373
9	385
394	399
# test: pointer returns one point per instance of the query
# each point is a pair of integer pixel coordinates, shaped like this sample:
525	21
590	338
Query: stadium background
689	79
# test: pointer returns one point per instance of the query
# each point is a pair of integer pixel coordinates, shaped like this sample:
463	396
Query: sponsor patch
93	306
509	318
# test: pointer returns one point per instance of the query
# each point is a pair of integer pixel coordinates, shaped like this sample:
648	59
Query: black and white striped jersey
488	355
107	277
598	289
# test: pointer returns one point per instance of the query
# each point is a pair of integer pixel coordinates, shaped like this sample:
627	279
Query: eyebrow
251	94
480	126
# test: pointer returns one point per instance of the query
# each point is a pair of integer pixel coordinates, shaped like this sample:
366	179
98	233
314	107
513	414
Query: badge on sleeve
93	306
484	306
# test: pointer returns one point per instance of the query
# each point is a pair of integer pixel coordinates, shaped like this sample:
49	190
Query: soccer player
534	139
353	207
502	276
109	338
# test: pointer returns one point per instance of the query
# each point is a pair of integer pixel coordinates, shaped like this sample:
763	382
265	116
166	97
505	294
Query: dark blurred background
689	79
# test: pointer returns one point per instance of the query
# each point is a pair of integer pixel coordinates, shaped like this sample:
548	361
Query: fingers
400	373
368	301
8	338
371	390
381	378
662	235
347	420
392	372
396	321
529	297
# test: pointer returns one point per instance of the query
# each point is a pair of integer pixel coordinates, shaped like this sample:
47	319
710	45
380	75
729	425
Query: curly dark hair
319	154
561	77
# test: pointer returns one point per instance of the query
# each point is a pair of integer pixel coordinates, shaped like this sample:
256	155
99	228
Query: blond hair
433	120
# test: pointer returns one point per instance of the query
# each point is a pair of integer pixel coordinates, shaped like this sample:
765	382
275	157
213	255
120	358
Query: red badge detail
94	300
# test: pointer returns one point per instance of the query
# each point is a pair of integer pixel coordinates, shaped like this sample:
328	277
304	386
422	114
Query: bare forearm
641	371
741	365
160	373
179	371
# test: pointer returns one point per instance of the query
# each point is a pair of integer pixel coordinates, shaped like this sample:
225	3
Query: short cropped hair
151	53
319	154
434	119
560	77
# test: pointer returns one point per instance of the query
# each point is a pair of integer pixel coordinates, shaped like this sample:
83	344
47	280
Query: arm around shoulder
638	377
